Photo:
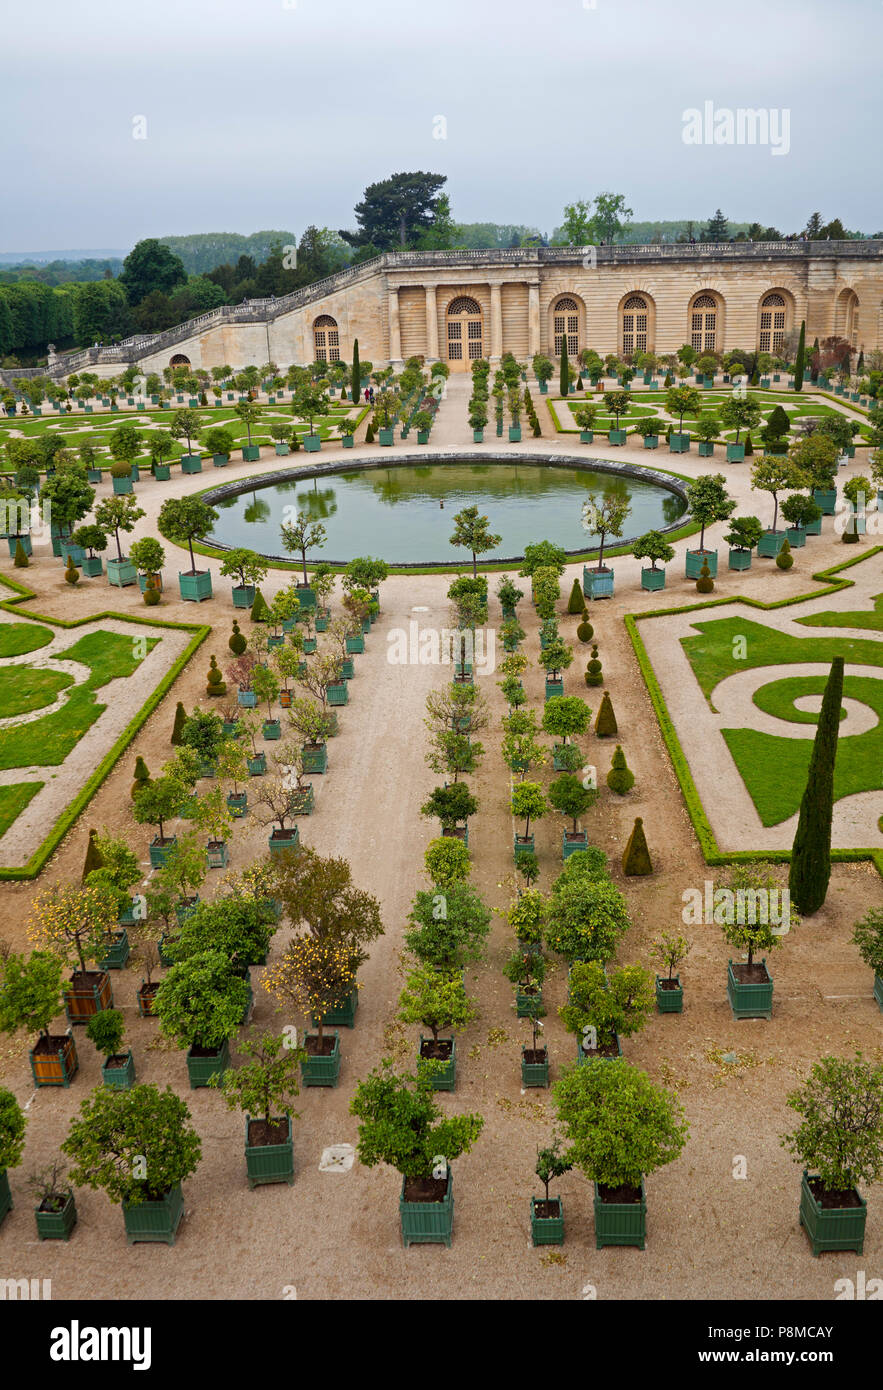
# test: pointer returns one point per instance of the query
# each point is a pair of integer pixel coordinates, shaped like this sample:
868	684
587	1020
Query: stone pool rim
580	463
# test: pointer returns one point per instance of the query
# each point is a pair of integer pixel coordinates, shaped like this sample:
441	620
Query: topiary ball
237	642
593	670
71	574
151	592
585	632
785	559
705	583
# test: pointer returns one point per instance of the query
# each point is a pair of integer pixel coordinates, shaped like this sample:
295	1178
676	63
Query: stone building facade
456	306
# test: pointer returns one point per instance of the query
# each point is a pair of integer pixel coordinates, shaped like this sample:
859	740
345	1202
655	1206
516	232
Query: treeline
60	272
203	251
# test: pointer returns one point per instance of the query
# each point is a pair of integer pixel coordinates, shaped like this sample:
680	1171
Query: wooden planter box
770	544
669	1001
598	583
269	1162
315	757
739	559
272	730
620	1223
534	1073
523	844
146	995
679	444
878	990
750	1001
355	644
546	1230
238	804
58	1067
119	1078
301	801
121	573
428	1223
196	587
246	699
118	952
154	1221
796	536
257	765
338	694
554	687
243	595
55	1225
446	1079
5	1195
529	1005
216	854
831	1228
321	1071
343	1015
825	499
184	908
694	561
735	453
202	1069
572	842
282	840
652	579
88	997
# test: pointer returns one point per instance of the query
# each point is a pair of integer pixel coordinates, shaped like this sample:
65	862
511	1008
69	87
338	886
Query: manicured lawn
713	652
48	741
775	770
13	800
26	688
18	638
872	621
778	698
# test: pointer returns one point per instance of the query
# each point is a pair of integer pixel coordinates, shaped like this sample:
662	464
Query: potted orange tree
438	1000
30	997
74	922
547	1214
262	1089
201	1003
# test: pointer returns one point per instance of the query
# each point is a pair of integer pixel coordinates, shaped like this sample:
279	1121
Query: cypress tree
811	851
801	358
93	858
564	378
636	861
21	560
860	365
180	721
356	380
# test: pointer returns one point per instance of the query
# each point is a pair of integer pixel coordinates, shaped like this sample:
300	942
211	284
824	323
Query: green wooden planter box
620	1223
616	436
528	1005
118	953
693	563
53	1225
269	1162
652	579
356	643
669	1001
221	460
250	453
154	1221
281	843
237	803
246	699
534	1073
523	845
598	583
160	849
165	959
312	443
571	845
119	1078
310	645
306	597
162	472
183	908
315	757
386	438
202	1069
832	1228
216	855
546	1230
587	436
428	1223
750	1001
739	559
651	441
814	528
195	587
554	687
770	544
826	499
301	801
191	463
796	537
735	453
272	730
282	450
257	766
93	566
679	444
347	441
74	552
121	573
878	990
343	1015
26	544
338	694
445	1079
706	451
322	1071
514	434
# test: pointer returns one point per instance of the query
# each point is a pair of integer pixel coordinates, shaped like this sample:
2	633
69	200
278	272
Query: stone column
496	322
533	319
395	331
432	354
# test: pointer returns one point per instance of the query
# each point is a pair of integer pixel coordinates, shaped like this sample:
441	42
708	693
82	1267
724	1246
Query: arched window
703	323
179	360
846	320
464	330
773	323
566	325
326	338
634	324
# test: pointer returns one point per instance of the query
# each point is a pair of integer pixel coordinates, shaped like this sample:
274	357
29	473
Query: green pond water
406	515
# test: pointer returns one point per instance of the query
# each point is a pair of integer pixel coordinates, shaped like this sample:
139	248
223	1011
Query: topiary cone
215	683
605	724
620	778
21	560
180	721
259	609
705	583
636	860
71	574
237	642
142	776
785	559
576	603
594	675
93	858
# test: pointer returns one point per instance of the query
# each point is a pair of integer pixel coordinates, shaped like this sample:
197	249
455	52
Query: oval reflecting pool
405	514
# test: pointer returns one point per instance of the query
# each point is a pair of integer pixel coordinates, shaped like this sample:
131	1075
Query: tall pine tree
811	852
800	364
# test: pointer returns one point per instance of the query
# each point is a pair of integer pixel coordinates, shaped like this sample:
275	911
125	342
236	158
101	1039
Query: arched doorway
565	325
704	323
847	317
464	332
635	322
773	324
326	339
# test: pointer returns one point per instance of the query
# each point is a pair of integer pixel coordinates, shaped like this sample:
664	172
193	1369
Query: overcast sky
277	113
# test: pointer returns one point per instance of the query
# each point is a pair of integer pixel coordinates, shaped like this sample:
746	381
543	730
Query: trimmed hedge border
711	851
72	812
